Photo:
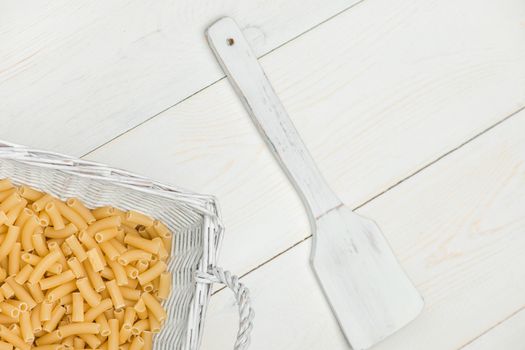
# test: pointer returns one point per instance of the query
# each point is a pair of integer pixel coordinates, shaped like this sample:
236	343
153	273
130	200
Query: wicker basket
193	219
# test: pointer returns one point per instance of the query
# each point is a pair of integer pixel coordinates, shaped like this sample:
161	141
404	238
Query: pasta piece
9	310
88	293
163	253
25	214
13	339
50	338
139	218
60	291
154	272
23	275
103	212
36	292
107	273
139	327
81	210
119	246
79	328
25	327
116	295
65	232
137	343
53	246
148	340
71	215
103	323
106	235
164	285
3	218
113	340
21	293
93	313
9	241
68	342
28	230
13	265
40	203
104	224
5	346
77	248
36	323
119	315
64	247
91	340
154	306
11	201
5	184
56	219
130	294
78	343
45	311
13	213
39	244
42	266
54	281
154	324
131	271
30	193
141	243
141	310
3	274
94	278
58	312
76	267
95	260
119	272
66	299
44	218
124	333
133	255
109	250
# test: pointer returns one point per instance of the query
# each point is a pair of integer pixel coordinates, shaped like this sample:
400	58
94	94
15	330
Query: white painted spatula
366	287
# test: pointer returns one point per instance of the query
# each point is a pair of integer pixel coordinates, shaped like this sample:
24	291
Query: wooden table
414	111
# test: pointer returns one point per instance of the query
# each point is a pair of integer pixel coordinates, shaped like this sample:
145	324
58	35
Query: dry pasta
72	277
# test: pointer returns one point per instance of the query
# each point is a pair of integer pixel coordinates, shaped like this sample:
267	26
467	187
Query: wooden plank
92	70
507	335
372	107
457	228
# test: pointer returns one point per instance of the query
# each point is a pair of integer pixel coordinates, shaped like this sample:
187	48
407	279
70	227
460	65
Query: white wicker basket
193	219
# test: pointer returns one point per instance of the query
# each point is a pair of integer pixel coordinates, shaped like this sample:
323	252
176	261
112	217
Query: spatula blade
370	294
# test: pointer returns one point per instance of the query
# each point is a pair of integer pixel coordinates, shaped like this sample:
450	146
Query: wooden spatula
367	289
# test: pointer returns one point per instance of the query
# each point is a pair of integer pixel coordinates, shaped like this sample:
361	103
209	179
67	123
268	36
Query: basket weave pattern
192	218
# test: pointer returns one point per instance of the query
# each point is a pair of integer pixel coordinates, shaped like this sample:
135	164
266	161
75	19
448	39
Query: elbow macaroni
72	277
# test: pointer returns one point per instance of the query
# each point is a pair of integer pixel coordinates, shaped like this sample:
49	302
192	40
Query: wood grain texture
457	228
368	291
92	70
372	107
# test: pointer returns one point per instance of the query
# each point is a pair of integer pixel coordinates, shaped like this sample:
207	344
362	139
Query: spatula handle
255	91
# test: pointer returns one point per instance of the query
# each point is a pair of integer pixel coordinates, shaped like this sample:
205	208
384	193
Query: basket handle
242	297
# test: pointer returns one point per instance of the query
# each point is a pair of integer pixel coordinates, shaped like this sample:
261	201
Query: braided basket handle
242	297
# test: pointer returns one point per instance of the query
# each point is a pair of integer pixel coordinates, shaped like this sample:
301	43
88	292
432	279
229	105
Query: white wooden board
509	334
373	107
457	228
86	71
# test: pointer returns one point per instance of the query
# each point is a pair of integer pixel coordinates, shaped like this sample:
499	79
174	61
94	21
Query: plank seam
221	78
481	133
488	330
